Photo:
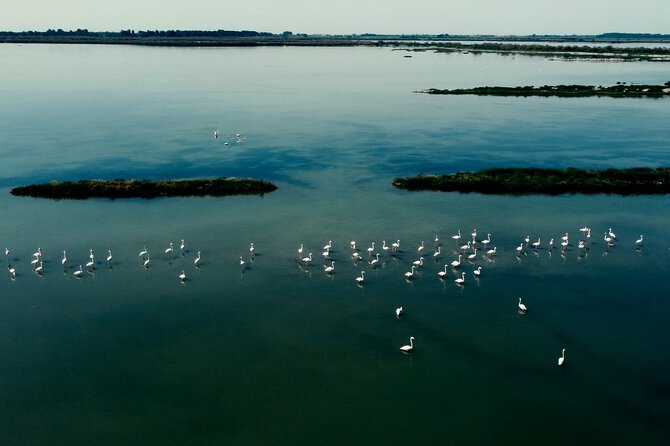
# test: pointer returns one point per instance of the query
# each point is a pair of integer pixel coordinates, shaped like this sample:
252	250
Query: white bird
216	134
607	239
306	259
464	247
460	280
398	312
487	240
491	252
241	262
371	248
169	249
12	271
408	348
90	264
519	248
474	233
537	243
109	256
79	272
610	233
584	229
457	237
420	248
456	263
522	307
38	253
64	259
146	262
478	271
182	245
527	239
90	254
375	262
565	237
561	360
35	261
395	245
473	255
437	240
384	247
410	274
551	243
437	252
352	244
356	256
182	276
418	263
361	278
143	252
196	262
300	250
328	245
443	273
639	241
325	254
38	270
7	252
565	243
329	269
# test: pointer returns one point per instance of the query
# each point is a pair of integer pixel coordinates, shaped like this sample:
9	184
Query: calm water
279	352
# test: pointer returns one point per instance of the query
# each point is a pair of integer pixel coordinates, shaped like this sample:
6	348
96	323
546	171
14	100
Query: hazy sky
344	16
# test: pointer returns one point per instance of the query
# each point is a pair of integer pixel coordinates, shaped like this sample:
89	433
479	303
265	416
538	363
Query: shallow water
279	352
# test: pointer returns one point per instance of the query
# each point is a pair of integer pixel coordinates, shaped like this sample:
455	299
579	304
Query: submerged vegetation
634	181
568	91
144	188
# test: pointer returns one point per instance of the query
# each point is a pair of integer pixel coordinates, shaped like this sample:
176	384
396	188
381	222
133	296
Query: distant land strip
123	188
565	91
576	46
525	181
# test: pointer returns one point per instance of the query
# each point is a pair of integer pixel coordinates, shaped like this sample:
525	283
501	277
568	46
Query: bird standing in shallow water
522	307
561	360
361	278
398	312
408	348
460	280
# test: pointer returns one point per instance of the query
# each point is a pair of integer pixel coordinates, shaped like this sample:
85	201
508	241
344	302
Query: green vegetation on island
122	188
565	91
522	181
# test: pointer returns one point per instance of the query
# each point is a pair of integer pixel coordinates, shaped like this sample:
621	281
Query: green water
278	352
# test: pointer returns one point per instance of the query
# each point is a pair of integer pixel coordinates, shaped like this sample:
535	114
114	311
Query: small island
523	181
124	188
565	91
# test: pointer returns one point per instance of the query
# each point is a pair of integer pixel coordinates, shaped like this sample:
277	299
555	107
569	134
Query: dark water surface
277	352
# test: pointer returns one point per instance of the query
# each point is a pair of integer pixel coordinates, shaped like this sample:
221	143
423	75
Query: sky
500	17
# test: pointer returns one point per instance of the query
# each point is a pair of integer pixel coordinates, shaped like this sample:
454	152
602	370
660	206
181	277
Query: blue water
277	352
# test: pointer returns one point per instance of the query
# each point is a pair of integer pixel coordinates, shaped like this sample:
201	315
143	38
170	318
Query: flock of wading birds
467	251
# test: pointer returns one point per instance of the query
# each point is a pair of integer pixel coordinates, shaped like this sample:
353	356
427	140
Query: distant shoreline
123	188
253	38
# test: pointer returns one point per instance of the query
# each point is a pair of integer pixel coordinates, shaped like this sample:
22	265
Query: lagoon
280	353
